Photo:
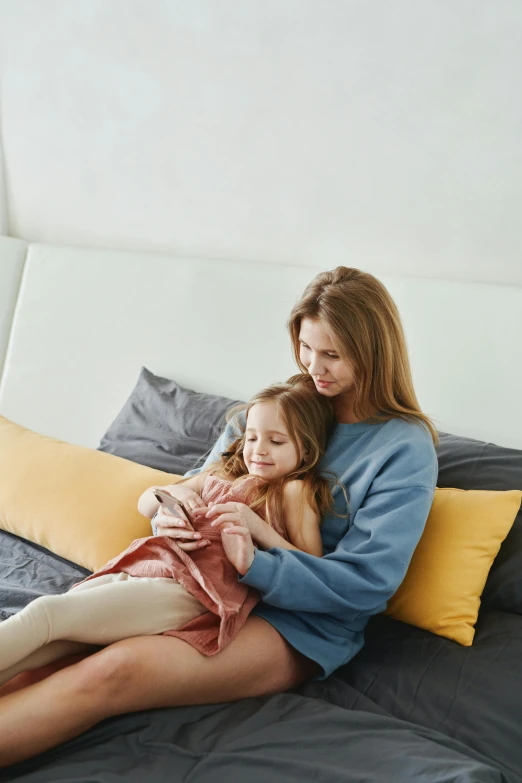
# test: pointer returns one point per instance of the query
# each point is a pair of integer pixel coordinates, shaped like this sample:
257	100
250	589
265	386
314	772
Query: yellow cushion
79	503
442	588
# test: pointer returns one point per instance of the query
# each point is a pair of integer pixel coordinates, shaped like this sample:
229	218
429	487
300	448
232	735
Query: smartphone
173	504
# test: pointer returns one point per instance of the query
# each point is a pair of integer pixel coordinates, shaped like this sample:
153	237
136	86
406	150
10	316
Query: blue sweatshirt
321	605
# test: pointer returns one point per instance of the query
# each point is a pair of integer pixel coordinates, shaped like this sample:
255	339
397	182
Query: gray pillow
165	426
473	464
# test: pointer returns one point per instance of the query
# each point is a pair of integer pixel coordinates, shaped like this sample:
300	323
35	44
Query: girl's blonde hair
365	327
309	418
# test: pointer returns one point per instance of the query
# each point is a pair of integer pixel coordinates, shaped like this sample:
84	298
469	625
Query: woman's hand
238	515
239	547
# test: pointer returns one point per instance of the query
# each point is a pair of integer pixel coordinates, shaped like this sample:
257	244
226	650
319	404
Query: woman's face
332	375
269	451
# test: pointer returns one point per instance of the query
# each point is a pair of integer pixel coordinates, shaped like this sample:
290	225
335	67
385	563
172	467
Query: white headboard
76	325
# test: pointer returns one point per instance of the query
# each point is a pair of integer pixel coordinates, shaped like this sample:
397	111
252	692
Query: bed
77	325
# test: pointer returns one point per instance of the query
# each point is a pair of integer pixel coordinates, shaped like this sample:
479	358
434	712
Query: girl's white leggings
101	611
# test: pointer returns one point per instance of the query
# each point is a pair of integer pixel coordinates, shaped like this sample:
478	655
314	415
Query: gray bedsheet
327	732
473	694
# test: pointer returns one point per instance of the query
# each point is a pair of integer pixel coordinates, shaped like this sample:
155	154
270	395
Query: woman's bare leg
144	673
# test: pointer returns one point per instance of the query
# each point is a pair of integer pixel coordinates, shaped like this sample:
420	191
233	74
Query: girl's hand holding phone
174	517
188	497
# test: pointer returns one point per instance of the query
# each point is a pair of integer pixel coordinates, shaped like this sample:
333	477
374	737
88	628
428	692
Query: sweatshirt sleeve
370	561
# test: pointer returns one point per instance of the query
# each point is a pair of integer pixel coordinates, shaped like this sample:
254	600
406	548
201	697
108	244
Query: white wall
4	220
385	135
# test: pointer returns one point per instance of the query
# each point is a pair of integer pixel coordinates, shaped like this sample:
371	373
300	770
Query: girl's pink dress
205	573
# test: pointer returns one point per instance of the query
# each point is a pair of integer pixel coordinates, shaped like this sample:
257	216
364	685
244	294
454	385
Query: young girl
155	587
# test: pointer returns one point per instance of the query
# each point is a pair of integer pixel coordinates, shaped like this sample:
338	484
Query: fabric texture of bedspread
473	694
286	737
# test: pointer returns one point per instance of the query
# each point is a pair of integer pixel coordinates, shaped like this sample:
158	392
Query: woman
347	335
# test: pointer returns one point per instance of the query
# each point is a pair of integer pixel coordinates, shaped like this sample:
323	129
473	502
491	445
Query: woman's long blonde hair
309	418
365	327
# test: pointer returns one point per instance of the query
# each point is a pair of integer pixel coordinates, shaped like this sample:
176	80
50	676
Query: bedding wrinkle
486	668
455	693
500	642
419	683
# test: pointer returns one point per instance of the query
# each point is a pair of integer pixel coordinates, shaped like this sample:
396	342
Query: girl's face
269	451
332	375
